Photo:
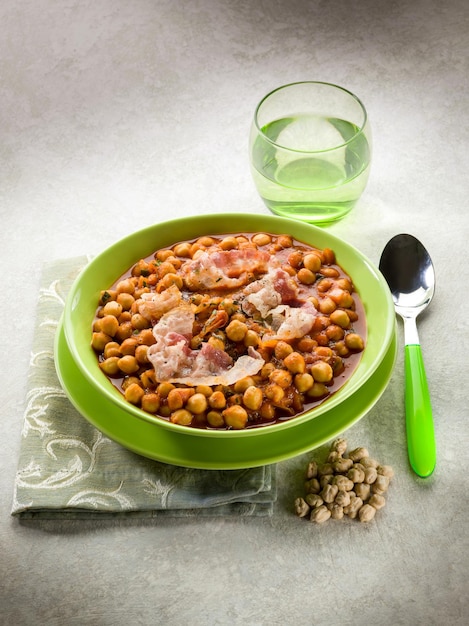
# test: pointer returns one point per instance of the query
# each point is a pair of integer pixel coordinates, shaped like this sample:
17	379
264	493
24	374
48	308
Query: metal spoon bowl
408	270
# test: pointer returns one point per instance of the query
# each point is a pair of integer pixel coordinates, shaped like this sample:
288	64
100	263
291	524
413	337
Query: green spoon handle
419	419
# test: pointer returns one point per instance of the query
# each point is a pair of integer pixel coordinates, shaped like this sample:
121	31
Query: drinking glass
310	151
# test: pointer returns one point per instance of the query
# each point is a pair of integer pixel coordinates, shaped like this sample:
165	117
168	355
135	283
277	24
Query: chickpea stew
230	332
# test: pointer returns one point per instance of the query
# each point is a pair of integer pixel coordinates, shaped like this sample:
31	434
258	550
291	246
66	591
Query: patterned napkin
67	468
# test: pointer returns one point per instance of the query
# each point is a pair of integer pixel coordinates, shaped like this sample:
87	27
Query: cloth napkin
67	468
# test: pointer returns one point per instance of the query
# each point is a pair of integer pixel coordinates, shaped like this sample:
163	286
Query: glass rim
311	82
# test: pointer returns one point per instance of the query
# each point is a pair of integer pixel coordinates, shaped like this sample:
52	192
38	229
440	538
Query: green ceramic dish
104	270
178	447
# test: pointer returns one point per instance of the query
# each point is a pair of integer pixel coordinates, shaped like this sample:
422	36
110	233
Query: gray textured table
114	115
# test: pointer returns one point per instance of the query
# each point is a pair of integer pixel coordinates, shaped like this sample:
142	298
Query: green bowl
107	267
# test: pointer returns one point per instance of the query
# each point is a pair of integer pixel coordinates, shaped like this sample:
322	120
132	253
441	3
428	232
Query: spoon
408	270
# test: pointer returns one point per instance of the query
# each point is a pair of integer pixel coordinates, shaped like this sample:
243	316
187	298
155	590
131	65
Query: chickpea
163	389
235	417
204	389
236	330
327	306
377	501
183	249
301	507
284	241
321	372
261	239
125	300
126	286
354	342
295	258
335	332
318	390
146	337
109	325
324	285
295	363
150	402
197	403
99	341
303	382
110	366
128	364
217	400
305	276
281	378
320	514
274	392
253	398
131	380
241	385
112	308
366	513
112	349
251	338
306	344
182	417
141	354
229	243
342	298
124	331
215	419
134	393
128	346
139	322
267	411
169	279
106	296
312	262
340	318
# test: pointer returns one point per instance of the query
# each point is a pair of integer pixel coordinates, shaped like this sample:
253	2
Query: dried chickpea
314	500
353	508
312	486
320	514
342	498
312	470
329	493
385	470
356	473
134	393
301	507
358	453
342	465
380	485
337	511
366	513
377	501
362	490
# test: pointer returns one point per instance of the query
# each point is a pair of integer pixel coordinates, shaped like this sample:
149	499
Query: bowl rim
218	224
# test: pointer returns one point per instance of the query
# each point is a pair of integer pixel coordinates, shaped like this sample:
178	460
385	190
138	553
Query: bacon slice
226	269
268	292
153	305
293	322
174	361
